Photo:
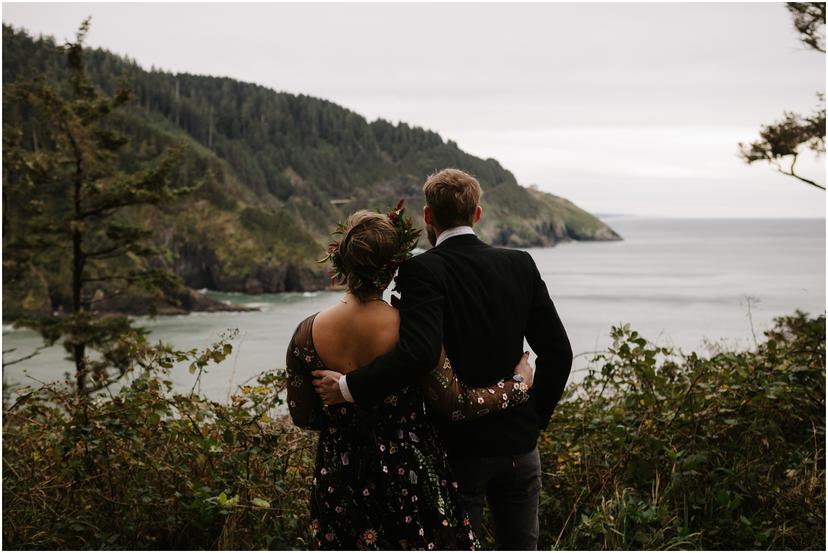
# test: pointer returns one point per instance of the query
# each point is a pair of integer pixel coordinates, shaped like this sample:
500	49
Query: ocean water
695	285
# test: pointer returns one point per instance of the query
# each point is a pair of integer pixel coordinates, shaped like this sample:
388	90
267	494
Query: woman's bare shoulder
348	339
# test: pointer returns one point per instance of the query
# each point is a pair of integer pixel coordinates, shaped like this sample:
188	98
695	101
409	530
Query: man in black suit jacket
479	302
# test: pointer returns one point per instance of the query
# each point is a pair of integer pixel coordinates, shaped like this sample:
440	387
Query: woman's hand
524	369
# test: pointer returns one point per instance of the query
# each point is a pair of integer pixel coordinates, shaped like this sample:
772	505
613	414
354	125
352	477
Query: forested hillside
276	171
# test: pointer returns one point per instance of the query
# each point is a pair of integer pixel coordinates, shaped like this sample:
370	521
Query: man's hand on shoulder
326	385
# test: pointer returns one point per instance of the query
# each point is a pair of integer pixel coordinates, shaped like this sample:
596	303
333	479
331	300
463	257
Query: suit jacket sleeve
547	338
421	338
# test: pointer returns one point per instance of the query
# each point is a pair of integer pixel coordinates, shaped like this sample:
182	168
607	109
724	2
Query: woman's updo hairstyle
369	243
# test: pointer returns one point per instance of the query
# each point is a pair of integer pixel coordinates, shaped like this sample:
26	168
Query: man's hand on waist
332	387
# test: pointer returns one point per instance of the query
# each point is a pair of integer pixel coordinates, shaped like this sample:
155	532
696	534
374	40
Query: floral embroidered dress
382	479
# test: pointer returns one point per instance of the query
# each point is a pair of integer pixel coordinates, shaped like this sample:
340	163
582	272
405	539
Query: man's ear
478	213
427	216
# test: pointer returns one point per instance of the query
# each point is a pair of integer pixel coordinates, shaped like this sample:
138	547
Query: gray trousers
511	484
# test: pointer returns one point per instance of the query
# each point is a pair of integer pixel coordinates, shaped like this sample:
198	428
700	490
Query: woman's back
351	334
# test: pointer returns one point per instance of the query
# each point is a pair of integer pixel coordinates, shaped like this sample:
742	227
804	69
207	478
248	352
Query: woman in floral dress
382	479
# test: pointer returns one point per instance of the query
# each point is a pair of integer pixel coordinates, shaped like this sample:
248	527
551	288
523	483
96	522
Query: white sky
622	108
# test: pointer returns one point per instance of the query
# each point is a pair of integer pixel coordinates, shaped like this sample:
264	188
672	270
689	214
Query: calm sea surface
679	282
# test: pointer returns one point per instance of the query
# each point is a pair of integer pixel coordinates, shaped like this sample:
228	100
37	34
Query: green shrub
147	468
652	450
661	451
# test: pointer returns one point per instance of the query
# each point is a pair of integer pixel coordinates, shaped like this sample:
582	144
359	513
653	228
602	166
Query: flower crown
381	277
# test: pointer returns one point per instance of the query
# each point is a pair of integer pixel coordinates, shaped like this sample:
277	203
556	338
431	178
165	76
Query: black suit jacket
480	302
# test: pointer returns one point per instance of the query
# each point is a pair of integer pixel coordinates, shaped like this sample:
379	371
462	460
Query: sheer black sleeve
448	396
304	404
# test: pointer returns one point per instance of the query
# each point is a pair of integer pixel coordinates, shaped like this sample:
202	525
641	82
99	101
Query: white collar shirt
452	232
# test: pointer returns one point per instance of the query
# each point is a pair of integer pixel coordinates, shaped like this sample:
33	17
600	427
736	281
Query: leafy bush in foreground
147	468
657	451
651	451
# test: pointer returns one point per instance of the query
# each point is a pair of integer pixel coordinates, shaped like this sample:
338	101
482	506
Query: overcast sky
622	108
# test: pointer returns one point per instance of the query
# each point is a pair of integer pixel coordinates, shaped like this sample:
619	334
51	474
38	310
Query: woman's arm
303	402
447	395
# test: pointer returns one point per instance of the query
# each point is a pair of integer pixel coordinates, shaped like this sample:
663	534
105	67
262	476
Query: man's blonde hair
453	197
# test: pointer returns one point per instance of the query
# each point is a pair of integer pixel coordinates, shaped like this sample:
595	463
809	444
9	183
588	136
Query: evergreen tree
780	142
70	209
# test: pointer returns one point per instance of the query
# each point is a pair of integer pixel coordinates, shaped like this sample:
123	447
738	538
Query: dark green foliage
292	158
266	136
146	468
651	451
780	142
659	451
809	20
69	212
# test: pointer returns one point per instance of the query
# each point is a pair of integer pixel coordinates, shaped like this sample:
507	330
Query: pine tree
73	212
